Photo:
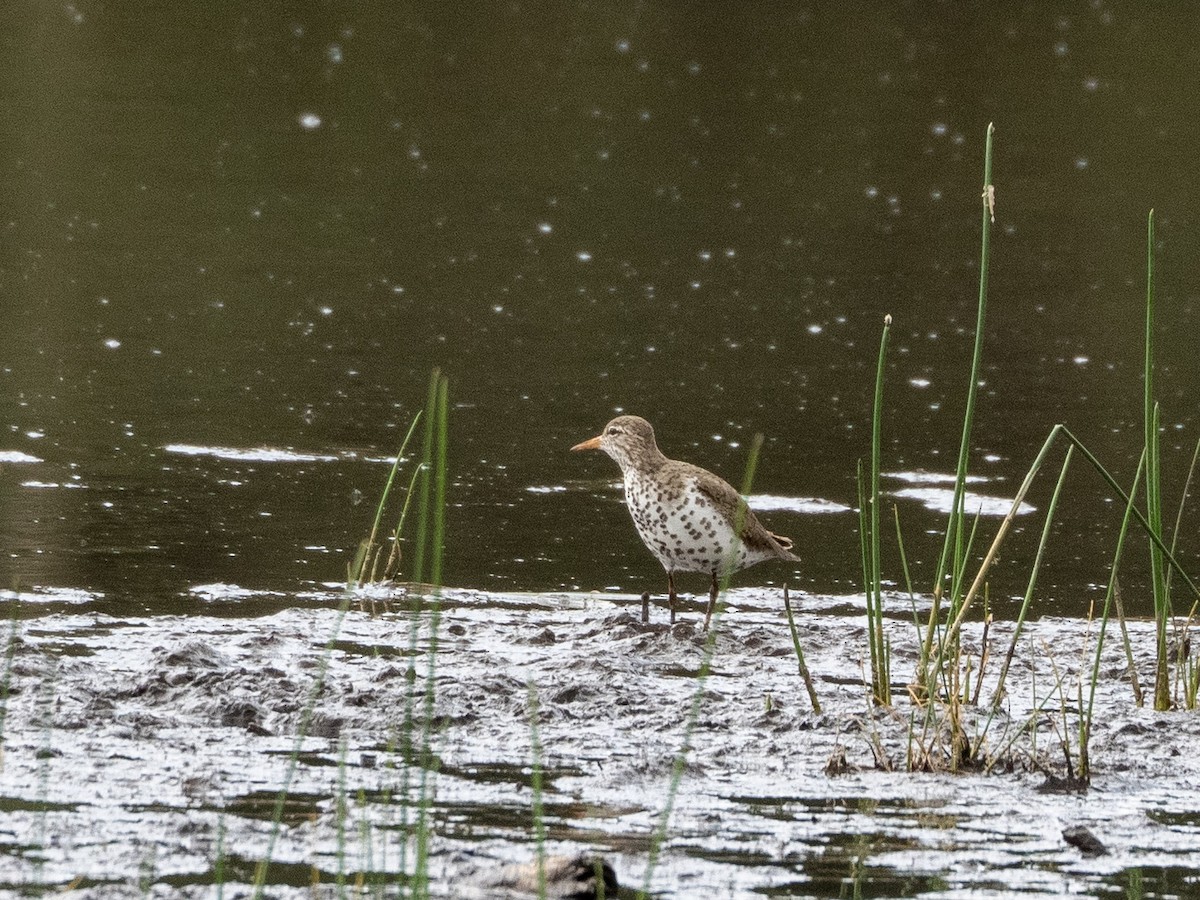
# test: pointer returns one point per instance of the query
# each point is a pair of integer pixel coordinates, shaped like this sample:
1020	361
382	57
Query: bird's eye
614	430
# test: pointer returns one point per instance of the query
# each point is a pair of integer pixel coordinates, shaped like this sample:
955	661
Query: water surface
250	229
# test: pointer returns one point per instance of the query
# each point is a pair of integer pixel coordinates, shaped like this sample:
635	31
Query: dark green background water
262	224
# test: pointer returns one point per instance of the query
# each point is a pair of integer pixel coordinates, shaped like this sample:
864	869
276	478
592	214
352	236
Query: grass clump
948	680
428	485
365	567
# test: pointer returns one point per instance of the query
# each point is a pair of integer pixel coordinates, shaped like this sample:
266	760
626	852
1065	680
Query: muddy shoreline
143	755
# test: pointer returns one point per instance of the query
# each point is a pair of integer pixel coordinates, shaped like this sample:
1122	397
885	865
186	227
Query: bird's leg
672	597
645	607
712	601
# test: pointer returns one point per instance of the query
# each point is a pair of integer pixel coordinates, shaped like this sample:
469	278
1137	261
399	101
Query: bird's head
627	439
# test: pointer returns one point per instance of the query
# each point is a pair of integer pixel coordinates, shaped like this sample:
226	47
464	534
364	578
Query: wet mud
146	756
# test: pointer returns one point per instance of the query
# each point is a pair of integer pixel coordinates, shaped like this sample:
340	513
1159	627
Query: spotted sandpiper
689	518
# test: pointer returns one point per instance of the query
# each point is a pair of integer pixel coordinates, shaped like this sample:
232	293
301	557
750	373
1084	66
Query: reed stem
954	527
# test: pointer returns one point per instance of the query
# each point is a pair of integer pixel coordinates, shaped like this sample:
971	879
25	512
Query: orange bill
593	444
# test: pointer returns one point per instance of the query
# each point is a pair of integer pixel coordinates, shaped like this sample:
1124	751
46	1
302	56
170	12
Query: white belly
685	531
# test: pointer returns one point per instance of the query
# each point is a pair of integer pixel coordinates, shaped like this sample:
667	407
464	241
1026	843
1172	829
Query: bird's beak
593	444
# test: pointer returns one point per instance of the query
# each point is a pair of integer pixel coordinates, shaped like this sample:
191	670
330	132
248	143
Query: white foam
249	454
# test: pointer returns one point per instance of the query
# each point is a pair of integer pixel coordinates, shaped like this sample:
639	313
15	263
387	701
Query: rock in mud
567	878
1081	837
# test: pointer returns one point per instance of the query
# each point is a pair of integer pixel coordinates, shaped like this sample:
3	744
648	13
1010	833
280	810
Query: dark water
261	226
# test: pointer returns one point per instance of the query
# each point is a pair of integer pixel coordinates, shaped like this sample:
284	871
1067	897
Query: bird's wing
726	498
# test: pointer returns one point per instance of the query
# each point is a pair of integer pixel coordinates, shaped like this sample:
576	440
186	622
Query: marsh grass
262	867
868	505
948	680
432	518
415	740
804	673
955	546
535	784
942	669
220	860
1158	580
364	569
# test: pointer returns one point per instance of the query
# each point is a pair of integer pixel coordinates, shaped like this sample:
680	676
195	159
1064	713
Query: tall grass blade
990	557
1033	575
865	540
879	663
424	490
1113	593
1183	667
219	862
535	784
393	560
804	673
439	482
1162	602
1183	498
383	497
436	454
954	527
1168	556
908	587
1135	683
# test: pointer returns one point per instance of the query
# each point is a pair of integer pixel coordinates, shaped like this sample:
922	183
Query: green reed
431	514
427	485
1033	576
941	658
804	673
1187	670
953	554
659	835
366	560
535	786
306	715
1085	719
1131	512
1183	496
220	862
941	667
940	645
429	541
868	506
1169	558
1162	600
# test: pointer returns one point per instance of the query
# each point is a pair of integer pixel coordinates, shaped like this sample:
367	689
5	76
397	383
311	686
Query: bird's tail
785	544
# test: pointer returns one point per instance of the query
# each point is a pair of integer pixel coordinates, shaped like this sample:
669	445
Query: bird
689	518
